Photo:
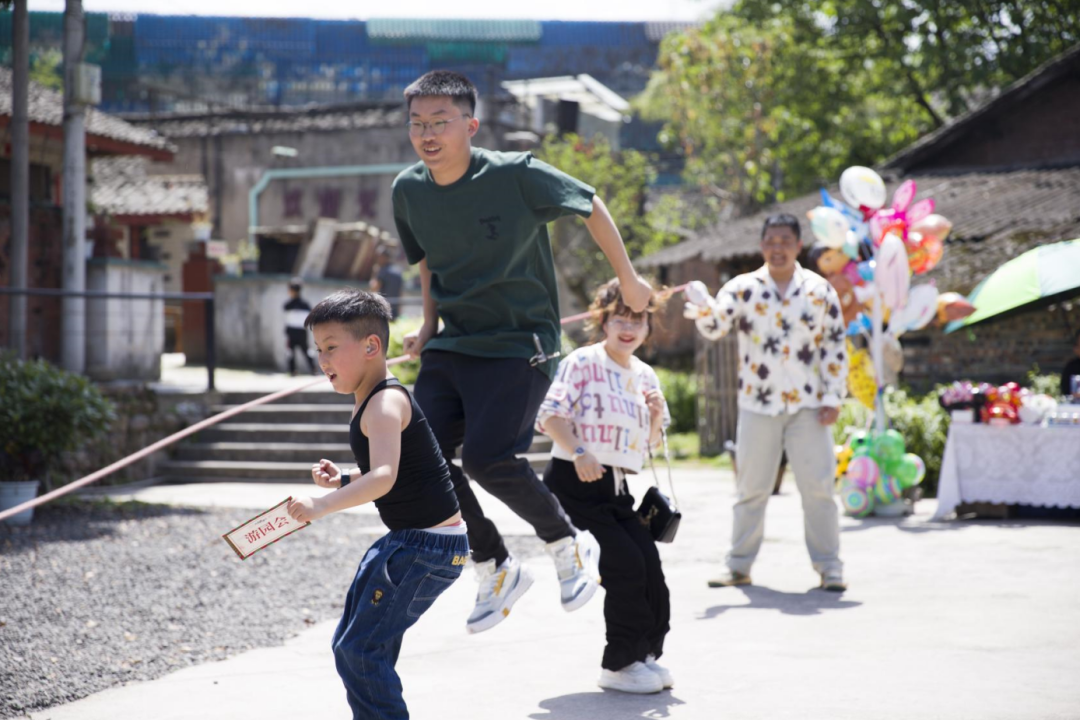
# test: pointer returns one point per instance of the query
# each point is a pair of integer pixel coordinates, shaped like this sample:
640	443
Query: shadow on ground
812	602
72	520
606	704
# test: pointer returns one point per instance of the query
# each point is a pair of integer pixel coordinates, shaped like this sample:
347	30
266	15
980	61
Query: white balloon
920	309
829	226
892	274
862	187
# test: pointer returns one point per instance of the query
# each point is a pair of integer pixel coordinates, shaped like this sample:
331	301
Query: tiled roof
322	119
455	30
933	142
46	107
121	186
995	217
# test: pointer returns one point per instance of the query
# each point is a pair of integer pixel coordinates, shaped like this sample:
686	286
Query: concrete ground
966	619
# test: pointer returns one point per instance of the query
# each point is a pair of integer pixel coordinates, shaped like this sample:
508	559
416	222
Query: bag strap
667	461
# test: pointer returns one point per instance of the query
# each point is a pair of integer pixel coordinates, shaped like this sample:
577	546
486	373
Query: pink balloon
851	270
863	472
920	210
904	195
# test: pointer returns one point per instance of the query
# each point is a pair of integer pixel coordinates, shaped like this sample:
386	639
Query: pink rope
201	425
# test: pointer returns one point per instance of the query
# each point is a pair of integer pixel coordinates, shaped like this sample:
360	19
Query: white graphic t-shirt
605	402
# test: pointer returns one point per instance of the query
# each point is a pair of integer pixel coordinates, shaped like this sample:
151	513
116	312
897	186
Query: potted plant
44	412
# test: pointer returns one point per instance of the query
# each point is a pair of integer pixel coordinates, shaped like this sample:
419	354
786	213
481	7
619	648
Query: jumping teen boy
476	223
401	470
603	412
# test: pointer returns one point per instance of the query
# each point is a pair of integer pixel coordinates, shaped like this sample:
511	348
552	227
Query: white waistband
458	529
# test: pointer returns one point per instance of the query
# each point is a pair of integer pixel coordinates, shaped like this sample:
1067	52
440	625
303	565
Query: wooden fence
717	366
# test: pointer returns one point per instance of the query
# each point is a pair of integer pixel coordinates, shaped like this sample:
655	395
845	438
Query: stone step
303	434
260	433
292	413
262	471
306	397
254	452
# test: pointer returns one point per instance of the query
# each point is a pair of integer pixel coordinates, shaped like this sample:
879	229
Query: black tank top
423	494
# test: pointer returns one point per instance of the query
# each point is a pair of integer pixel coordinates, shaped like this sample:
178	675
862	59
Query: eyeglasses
626	323
438	127
779	245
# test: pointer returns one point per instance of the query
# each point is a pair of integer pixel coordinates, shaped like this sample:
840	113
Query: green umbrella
1043	275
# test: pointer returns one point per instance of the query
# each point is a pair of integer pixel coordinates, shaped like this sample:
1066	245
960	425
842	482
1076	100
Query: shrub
405	372
680	391
921	421
44	412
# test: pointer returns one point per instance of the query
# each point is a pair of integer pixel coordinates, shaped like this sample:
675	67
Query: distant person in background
388	281
296	335
1072	369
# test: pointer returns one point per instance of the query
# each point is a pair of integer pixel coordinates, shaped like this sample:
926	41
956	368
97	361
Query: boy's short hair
364	313
444	83
608	301
296	284
782	220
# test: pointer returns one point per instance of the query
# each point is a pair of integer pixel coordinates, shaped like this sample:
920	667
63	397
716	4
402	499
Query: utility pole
20	175
73	320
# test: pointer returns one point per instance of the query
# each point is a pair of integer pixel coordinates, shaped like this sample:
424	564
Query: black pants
296	339
637	606
488	407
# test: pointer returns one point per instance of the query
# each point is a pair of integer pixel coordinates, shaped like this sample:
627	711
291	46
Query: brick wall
994	351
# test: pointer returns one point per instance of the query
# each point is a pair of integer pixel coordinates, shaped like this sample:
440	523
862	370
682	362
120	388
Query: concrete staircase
280	442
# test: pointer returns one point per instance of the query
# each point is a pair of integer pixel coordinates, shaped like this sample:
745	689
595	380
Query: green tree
47	69
944	56
621	179
769	99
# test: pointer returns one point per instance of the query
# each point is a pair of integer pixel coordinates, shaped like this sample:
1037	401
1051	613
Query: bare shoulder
388	411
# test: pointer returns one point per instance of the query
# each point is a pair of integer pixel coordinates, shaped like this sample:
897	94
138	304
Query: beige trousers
759	442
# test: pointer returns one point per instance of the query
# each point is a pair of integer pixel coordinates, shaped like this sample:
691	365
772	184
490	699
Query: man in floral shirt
792	375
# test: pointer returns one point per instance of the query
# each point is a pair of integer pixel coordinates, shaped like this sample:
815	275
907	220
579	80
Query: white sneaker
634	678
500	588
663	672
577	560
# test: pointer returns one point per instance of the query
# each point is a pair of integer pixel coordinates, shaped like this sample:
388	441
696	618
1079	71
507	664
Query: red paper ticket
264	529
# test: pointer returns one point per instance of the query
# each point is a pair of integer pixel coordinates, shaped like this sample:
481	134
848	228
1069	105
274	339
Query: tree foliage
770	99
621	179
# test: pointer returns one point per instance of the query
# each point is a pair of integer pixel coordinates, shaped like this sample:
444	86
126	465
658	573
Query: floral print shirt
792	351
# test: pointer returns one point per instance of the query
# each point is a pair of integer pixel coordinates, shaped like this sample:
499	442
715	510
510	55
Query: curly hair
608	301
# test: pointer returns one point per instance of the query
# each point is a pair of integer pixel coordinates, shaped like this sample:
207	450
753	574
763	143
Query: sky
610	10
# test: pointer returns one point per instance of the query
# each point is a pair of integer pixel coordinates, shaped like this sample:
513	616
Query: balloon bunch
1002	404
876	471
1007	404
865	248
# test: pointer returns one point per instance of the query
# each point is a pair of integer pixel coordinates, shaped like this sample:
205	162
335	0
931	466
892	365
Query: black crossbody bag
657	511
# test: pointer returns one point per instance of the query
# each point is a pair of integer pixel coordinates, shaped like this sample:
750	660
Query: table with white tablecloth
1011	465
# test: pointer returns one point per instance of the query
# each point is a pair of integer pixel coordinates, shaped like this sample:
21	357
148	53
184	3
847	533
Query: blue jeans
398	580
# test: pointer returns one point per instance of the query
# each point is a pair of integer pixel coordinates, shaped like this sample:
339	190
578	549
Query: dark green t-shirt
486	242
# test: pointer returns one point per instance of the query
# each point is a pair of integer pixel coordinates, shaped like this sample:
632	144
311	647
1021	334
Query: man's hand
588	467
636	293
654	399
305	509
326	474
413	343
697	294
828	415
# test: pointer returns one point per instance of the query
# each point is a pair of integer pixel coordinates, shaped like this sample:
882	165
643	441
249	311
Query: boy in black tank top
401	470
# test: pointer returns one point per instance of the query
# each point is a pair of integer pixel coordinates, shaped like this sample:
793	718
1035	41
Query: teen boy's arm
385	417
413	343
635	290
